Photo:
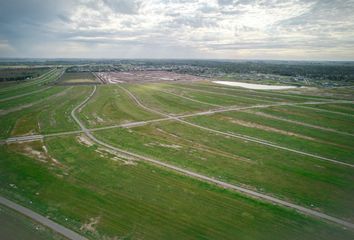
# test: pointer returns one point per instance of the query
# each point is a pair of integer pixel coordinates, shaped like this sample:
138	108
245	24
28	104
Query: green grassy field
21	73
305	180
335	145
106	195
111	105
341	108
13	103
339	122
136	201
255	94
14	226
27	87
50	116
211	97
165	102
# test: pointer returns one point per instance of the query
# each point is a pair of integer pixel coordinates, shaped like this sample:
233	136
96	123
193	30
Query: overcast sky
224	29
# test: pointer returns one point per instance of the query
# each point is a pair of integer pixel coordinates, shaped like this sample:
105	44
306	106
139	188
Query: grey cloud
205	8
279	44
30	24
191	21
64	18
225	2
236	2
124	6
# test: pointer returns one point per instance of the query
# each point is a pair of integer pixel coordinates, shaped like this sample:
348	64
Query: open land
157	154
77	78
14	226
144	76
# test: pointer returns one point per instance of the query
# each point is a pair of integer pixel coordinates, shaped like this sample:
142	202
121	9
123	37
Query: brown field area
78	78
145	76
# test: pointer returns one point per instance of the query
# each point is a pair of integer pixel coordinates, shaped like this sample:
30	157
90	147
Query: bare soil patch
144	76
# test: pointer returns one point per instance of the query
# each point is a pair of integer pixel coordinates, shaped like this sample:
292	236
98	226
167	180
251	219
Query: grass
111	105
141	201
311	116
255	94
37	97
315	141
297	95
165	102
210	97
20	74
14	226
103	195
49	117
300	179
33	85
341	108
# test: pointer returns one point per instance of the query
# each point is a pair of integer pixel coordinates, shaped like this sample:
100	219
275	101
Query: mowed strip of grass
57	114
111	105
51	116
32	85
29	98
7	85
266	97
14	226
100	195
307	181
306	94
210	97
346	92
165	102
346	108
12	86
315	141
344	123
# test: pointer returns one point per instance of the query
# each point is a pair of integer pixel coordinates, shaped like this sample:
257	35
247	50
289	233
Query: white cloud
206	28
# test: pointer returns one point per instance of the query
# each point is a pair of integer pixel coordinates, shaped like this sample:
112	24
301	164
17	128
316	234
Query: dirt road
42	220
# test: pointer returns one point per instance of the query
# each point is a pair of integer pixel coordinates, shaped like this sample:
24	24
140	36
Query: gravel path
42	220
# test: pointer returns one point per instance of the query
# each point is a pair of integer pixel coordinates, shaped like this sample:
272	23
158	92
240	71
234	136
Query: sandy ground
254	86
144	76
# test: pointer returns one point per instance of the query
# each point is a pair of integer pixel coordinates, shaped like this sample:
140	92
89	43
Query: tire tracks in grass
325	110
189	173
32	82
298	123
201	177
28	105
24	94
235	135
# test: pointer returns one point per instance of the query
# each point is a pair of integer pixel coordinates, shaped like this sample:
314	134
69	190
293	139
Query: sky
198	29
